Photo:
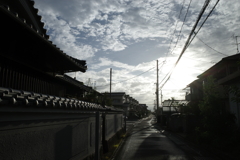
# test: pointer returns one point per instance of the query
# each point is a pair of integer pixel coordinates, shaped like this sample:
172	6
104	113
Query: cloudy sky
130	35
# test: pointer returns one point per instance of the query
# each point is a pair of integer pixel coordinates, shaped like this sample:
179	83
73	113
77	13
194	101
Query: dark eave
197	81
75	82
27	45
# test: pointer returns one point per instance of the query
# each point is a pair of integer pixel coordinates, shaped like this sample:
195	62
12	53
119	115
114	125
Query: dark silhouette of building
42	112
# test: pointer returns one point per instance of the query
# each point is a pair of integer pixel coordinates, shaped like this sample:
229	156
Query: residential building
226	74
172	106
42	112
130	105
119	100
195	91
29	60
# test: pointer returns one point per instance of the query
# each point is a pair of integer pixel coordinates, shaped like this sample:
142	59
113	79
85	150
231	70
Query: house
195	91
43	115
130	105
226	74
28	60
170	107
120	100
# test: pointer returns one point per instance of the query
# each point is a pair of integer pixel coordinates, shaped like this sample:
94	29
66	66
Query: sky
129	36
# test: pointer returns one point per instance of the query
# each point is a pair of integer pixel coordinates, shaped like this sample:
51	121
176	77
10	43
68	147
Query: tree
216	121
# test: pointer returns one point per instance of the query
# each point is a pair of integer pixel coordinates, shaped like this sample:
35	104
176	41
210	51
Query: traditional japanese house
42	112
28	60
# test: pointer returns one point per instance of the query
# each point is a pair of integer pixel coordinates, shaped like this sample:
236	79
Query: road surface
146	141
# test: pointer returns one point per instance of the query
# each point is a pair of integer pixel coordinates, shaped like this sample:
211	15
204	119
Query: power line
181	27
135	76
176	25
179	31
211	47
195	33
199	60
129	78
132	77
188	42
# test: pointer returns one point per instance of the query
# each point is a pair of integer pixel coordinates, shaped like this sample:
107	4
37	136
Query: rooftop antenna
110	83
89	82
237	43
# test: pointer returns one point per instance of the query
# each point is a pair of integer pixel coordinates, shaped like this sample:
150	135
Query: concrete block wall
50	134
114	123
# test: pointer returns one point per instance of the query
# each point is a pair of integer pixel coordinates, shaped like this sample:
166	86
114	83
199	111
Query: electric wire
188	42
199	60
182	26
176	26
178	33
133	77
128	79
211	47
195	33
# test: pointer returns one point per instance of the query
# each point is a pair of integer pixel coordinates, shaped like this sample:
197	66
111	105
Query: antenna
237	43
89	82
110	83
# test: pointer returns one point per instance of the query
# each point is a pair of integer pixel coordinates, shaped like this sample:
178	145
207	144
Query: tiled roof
12	97
38	18
77	64
174	103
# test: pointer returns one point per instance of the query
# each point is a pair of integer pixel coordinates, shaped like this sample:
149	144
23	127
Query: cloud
112	22
129	36
105	62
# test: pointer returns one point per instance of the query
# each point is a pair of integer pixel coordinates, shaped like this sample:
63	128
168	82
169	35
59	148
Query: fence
36	126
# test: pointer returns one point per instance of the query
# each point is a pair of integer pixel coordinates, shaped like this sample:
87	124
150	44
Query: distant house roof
28	42
116	93
173	103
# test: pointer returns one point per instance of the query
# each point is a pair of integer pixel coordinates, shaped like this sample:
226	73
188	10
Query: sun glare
182	74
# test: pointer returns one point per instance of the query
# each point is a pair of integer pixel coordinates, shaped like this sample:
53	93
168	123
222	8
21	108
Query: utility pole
157	92
161	103
110	83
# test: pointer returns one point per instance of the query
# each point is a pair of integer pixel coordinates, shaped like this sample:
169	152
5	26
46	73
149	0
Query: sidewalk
129	126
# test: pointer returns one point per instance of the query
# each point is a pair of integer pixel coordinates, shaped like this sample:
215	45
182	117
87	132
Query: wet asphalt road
146	141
